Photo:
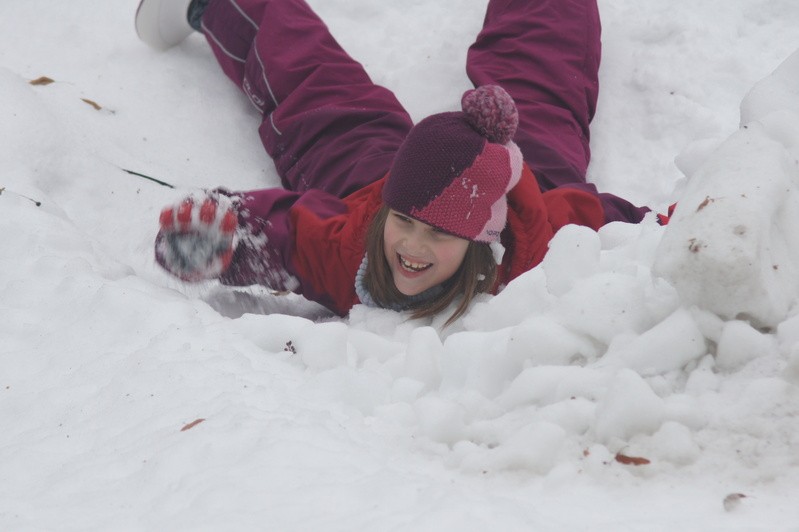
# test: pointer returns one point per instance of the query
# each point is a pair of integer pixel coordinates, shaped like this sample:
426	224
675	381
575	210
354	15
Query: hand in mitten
196	240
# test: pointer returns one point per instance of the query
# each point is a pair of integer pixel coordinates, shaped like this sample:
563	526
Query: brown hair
476	274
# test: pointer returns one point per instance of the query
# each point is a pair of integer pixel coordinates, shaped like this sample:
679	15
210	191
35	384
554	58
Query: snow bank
732	246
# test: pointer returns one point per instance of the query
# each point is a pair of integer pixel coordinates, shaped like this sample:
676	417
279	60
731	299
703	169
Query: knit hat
454	169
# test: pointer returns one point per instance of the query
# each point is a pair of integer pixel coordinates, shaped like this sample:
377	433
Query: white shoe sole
163	24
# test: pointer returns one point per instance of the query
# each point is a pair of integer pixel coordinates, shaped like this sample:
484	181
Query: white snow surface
678	345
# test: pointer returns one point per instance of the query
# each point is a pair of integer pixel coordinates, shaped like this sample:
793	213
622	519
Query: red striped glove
197	237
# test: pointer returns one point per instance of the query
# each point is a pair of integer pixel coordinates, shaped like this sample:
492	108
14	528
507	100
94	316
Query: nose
416	241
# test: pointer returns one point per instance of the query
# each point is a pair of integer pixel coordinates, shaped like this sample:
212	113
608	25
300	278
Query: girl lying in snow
376	210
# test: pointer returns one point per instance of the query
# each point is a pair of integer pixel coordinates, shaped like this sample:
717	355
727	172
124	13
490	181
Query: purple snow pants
327	126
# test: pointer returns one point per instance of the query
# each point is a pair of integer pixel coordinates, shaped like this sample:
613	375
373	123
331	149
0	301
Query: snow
675	346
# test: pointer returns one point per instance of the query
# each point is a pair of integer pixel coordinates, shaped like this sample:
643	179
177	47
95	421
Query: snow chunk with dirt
732	245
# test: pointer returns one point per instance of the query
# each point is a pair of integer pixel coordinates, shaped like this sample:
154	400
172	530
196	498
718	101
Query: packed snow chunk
605	305
272	332
739	344
674	443
422	357
630	246
619	234
534	447
382	322
791	372
372	349
702	378
731	246
575	415
540	340
695	154
765	396
562	477
710	324
524	296
324	346
406	389
441	420
774	101
573	254
788	333
629	407
478	362
358	389
549	384
788	337
668	346
685	410
596	458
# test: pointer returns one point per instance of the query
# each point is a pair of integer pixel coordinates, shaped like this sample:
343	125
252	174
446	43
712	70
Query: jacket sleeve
534	218
330	248
267	235
573	206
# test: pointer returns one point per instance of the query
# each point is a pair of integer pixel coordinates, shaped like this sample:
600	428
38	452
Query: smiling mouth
413	266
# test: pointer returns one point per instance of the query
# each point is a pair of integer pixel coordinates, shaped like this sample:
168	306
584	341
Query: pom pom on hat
453	170
492	112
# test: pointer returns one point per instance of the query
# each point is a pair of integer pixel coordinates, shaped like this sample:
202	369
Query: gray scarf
407	303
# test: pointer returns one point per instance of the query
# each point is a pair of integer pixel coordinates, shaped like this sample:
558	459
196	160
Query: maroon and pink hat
453	171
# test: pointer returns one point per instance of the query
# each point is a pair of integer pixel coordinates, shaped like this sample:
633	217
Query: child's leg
546	53
325	124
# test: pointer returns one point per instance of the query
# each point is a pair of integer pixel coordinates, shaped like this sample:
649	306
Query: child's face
419	255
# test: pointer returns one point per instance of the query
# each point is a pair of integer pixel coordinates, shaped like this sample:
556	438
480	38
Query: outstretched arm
239	238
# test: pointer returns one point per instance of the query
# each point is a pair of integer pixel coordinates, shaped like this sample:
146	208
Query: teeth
413	266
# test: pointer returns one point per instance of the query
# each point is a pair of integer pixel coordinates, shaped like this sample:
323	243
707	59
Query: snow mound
731	246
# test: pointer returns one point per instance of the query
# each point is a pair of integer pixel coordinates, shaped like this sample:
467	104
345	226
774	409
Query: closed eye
440	234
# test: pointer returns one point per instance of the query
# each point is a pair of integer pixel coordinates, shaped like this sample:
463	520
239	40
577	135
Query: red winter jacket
312	243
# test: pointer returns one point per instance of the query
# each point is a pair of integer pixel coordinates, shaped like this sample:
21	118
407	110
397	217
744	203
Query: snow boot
163	24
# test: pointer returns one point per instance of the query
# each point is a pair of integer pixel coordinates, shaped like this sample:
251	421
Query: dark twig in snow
37	203
164	183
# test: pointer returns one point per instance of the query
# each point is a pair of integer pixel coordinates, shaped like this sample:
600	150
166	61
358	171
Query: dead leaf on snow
92	103
695	246
192	424
631	460
732	501
705	203
42	80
